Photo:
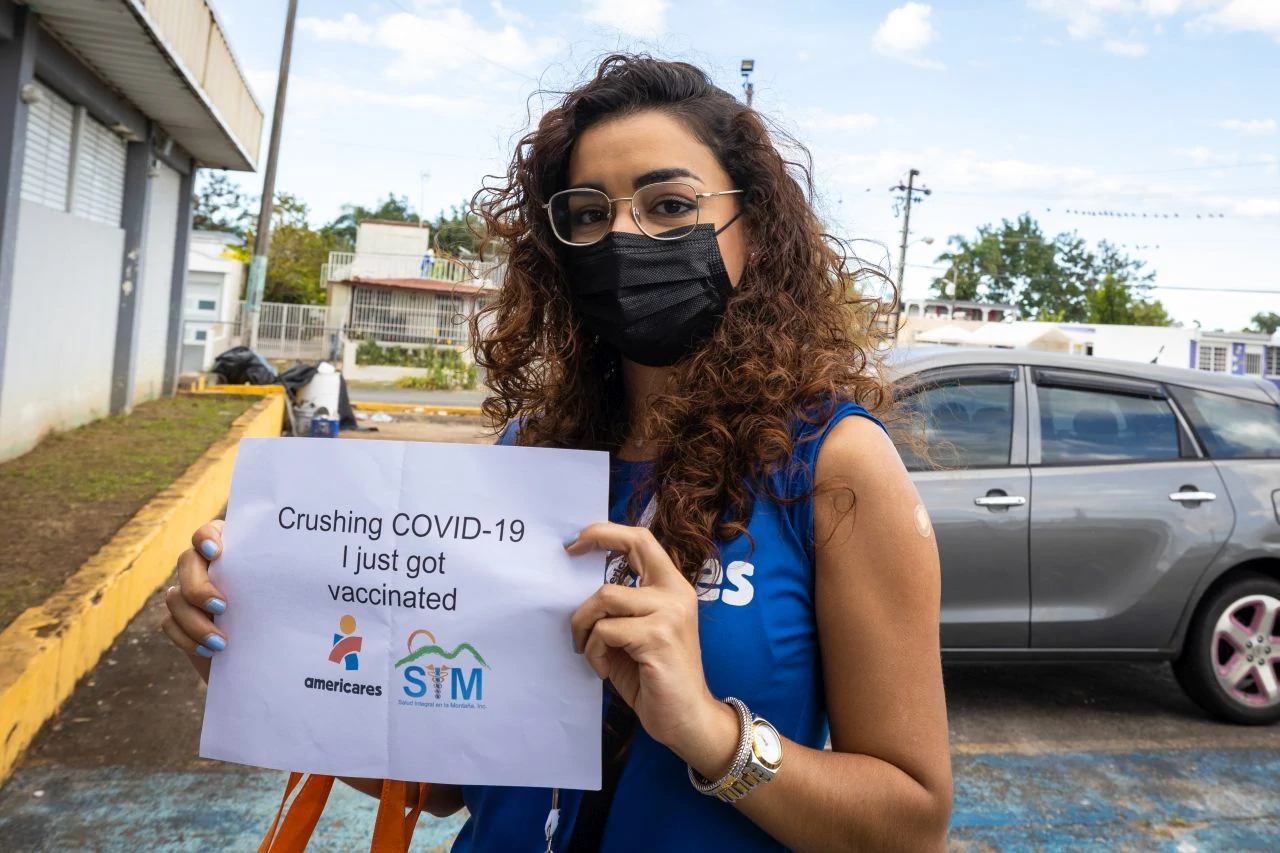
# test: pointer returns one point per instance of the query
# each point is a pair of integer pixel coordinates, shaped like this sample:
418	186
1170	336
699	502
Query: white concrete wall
62	325
375	238
208	253
156	284
1136	343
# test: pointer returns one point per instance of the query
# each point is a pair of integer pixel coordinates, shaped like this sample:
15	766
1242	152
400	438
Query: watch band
748	771
740	758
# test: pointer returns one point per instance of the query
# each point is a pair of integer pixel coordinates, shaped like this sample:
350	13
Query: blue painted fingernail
209	548
203	652
215	642
569	542
215	606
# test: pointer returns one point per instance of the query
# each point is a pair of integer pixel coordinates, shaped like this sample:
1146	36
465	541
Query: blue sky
1005	107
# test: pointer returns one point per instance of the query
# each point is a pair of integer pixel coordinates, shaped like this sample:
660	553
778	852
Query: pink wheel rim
1246	651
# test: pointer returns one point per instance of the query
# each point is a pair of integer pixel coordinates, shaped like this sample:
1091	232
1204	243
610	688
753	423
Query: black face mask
654	301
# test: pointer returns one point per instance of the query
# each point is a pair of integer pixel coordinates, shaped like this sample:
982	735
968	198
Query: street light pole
748	65
262	237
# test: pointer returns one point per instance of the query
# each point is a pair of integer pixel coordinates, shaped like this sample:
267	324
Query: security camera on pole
262	237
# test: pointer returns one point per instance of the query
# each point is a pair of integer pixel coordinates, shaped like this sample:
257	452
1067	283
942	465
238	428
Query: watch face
768	746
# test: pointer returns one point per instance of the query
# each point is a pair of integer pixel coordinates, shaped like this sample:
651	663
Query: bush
444	368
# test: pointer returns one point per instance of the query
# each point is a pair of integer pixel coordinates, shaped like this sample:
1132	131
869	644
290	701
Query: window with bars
1212	358
1253	364
449	319
1273	361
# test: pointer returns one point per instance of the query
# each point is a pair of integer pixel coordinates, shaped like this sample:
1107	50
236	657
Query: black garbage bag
295	379
243	366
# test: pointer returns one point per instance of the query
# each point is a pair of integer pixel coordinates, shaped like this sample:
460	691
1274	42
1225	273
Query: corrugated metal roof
118	40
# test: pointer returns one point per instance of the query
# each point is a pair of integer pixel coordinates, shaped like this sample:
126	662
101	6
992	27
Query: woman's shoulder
819	418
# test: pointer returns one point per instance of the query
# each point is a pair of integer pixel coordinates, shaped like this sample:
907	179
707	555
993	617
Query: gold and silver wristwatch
757	761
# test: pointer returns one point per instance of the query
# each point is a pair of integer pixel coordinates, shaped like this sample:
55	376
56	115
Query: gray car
1092	509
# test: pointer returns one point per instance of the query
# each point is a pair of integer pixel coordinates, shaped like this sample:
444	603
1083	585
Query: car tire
1215	669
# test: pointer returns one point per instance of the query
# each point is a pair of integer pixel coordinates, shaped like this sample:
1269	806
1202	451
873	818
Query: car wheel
1230	663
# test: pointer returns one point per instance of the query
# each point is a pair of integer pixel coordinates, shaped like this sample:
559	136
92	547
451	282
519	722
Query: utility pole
262	237
748	65
910	193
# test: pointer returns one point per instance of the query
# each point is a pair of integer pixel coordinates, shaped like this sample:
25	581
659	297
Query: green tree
219	205
1060	280
342	230
460	234
296	254
1265	322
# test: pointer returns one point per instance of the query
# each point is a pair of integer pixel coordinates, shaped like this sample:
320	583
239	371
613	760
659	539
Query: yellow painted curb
269	390
426	409
234	391
45	651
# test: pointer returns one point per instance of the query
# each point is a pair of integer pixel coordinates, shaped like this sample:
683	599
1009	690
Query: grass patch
66	498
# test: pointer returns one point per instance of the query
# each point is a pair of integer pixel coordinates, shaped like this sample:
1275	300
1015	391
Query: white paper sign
401	610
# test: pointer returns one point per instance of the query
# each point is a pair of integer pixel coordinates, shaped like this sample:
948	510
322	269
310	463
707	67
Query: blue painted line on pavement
1206	800
1178	801
116	810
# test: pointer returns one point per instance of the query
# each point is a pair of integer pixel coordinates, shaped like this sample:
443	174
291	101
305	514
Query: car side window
960	425
1079	426
1231	428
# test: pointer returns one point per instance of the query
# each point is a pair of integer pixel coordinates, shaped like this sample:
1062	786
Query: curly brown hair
797	335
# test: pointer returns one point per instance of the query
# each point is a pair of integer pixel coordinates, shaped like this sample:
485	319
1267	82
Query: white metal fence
409	317
355	266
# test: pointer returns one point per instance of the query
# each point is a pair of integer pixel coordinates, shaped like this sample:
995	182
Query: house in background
394	290
211	302
106	109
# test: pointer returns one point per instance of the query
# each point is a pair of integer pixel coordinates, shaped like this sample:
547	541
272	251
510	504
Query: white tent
946	335
1020	336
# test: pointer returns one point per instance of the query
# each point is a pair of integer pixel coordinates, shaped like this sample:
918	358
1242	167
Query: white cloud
1087	19
1260	16
348	28
441	39
642	18
1250	127
1131	49
1257	207
905	33
507	15
820	119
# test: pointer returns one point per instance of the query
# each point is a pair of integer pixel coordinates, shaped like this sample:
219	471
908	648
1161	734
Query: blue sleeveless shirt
759	636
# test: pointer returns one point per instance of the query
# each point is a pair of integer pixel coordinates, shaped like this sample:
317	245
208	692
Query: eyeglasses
668	210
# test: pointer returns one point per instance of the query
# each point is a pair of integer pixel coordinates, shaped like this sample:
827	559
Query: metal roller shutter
98	193
46	163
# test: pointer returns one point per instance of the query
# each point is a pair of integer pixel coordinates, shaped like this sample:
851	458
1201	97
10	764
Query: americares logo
346	646
345	650
435	677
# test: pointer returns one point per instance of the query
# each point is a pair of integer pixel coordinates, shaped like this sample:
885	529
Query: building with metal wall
106	110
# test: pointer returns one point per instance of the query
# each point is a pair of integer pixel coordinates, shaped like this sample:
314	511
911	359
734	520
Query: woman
670	298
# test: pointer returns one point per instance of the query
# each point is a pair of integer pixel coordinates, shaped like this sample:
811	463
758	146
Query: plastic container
324	388
319	398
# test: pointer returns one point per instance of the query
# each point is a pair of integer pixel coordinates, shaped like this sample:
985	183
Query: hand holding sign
399	611
644	640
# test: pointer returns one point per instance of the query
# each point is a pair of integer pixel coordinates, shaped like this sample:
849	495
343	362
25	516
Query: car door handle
1192	497
1000	500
